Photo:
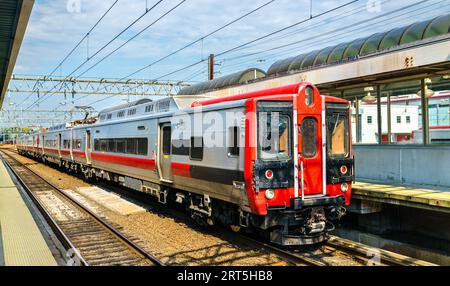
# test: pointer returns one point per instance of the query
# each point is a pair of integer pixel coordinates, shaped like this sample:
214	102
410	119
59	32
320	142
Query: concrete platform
21	241
436	199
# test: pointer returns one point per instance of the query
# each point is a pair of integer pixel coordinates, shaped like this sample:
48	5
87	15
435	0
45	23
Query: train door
88	146
311	139
59	144
164	153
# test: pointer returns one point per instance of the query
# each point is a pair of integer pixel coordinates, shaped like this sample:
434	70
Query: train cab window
337	132
142	146
167	140
196	152
274	136
120	146
131	146
309	137
233	141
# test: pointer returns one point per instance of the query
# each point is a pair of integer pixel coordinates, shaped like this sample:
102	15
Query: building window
408	119
399	119
196	152
369	119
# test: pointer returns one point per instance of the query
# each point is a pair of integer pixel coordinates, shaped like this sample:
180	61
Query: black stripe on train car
216	175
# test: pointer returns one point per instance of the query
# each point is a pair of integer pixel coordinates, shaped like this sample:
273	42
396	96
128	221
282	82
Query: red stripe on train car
180	169
139	163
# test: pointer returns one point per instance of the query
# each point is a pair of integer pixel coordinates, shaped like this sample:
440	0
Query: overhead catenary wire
98	51
194	42
78	44
260	38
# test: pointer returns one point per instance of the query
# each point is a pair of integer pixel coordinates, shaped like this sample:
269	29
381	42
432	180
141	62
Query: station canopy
222	82
14	16
363	46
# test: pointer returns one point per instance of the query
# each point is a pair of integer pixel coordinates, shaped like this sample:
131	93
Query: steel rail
140	251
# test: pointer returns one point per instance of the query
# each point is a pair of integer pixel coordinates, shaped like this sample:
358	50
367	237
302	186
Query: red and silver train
276	160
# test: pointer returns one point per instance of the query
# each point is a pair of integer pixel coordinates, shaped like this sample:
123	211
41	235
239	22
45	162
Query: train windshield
338	135
274	136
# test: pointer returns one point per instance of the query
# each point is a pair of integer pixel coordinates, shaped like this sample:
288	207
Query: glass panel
438	89
120	146
233	147
337	132
167	140
131	146
336	54
309	137
274	136
405	113
142	146
371	44
392	38
196	148
414	32
438	26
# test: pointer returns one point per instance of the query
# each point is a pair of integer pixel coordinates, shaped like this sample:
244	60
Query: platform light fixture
369	98
428	92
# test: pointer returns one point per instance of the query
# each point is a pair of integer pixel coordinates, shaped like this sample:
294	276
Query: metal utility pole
211	67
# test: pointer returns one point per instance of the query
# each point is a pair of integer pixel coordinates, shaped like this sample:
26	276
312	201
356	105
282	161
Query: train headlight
344	170
269	174
344	187
270	194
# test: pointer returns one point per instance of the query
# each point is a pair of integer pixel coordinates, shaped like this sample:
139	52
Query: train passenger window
142	146
131	146
309	137
120	146
180	147
111	145
233	142
274	136
196	152
103	145
167	140
96	145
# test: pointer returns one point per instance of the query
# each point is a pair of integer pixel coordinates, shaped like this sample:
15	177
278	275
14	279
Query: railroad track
360	253
89	239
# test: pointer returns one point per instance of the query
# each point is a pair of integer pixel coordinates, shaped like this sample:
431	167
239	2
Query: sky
56	26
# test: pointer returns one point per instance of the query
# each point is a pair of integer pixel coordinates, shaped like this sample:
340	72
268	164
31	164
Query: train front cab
299	179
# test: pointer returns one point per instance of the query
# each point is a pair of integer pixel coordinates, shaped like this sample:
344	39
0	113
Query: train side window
111	145
233	142
120	146
142	146
131	146
103	145
167	140
96	145
196	152
309	137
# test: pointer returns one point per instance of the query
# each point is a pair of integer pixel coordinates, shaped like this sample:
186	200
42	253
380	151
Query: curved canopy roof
363	46
222	82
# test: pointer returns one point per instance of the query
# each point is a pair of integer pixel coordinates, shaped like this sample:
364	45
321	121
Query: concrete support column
379	119
425	117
